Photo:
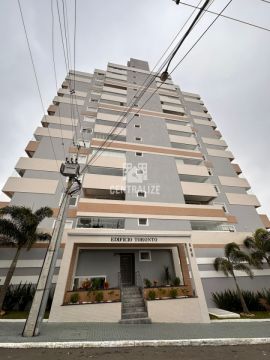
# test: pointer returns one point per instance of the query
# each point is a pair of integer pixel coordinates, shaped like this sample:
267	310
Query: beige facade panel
119	145
79	78
110	161
58	133
205	122
25	163
213	141
194	170
31	148
265	220
107	129
122	99
198	189
237	169
106	182
169	99
109	117
115	76
58	120
234	181
180	128
189	140
114	90
29	185
200	114
220	153
67	92
173	108
166	86
243	199
156	210
67	100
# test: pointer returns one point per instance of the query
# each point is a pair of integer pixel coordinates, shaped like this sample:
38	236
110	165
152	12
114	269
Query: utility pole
37	311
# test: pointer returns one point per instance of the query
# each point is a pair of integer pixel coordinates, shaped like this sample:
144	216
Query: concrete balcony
58	133
192	173
185	141
216	142
220	153
171	100
206	123
117	98
67	100
29	185
243	199
109	117
46	120
173	109
110	162
234	181
265	220
201	114
62	92
114	90
180	130
37	164
104	186
52	109
31	148
107	130
199	192
110	75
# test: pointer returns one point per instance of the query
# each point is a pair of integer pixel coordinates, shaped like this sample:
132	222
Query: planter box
164	292
85	296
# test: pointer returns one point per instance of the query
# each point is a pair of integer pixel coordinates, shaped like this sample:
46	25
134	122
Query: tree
18	228
234	260
259	247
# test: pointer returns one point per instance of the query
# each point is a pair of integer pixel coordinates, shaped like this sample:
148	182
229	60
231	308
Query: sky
229	68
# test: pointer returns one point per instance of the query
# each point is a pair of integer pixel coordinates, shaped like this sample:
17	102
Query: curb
136	343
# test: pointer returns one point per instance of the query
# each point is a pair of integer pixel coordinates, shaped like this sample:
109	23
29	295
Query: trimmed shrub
18	296
176	281
99	296
74	298
147	283
173	293
151	295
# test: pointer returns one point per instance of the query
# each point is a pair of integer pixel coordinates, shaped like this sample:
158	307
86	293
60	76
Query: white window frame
147	222
145	251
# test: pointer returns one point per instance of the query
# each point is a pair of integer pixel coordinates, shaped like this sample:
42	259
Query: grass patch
19	315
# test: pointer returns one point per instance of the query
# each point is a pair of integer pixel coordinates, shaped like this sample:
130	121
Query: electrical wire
230	17
144	90
37	82
218	15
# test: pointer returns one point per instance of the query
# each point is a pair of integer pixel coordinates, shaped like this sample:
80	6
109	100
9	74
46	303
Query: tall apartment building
165	192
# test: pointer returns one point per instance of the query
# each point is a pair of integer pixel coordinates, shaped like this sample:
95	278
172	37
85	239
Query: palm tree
259	246
18	228
234	260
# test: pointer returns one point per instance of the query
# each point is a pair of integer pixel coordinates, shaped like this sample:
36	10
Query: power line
230	17
205	31
37	82
218	15
123	115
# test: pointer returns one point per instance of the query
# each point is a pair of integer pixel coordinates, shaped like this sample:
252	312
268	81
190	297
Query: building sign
134	239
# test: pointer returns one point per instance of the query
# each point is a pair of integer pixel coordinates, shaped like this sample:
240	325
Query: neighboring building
181	198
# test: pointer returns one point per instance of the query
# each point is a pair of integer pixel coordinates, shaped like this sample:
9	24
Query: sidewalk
92	334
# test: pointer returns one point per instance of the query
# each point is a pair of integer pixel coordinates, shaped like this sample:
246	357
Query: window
139	171
143	222
136	115
137	125
72	200
141	194
138	138
83	143
145	255
99	222
86	130
139	154
82	159
217	189
89	119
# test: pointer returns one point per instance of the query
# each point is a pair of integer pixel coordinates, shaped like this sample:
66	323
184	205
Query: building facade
159	202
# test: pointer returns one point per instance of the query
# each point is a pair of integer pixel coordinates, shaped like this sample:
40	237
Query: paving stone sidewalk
61	332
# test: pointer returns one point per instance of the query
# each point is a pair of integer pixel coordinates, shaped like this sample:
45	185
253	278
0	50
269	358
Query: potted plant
176	281
147	283
86	284
151	295
74	298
